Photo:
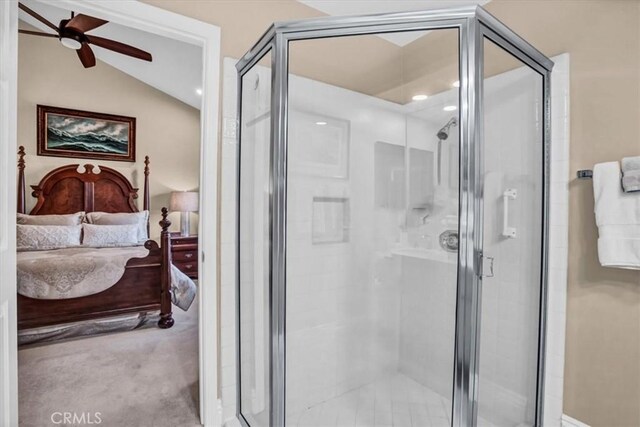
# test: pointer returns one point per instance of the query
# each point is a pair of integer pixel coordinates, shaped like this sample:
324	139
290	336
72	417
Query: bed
145	285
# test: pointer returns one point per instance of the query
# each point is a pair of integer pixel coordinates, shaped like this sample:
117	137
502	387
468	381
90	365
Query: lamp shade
183	201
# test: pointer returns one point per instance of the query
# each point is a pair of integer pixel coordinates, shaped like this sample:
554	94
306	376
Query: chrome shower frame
474	24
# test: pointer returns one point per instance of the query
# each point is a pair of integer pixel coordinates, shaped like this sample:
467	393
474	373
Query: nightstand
184	253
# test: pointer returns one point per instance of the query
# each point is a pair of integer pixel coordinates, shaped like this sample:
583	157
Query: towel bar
585	174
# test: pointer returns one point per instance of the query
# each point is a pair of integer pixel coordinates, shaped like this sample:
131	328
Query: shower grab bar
507	231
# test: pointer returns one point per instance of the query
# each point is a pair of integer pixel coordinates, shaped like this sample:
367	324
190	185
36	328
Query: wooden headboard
65	190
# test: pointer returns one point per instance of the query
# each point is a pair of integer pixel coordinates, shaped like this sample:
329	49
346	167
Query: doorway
166	24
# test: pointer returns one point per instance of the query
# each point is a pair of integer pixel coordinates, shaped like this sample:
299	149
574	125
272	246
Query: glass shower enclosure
393	182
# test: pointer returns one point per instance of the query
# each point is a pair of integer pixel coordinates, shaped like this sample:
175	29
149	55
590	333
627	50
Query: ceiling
342	8
176	68
390	66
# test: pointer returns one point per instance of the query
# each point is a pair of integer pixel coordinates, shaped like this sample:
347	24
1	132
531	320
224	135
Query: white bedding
77	272
72	272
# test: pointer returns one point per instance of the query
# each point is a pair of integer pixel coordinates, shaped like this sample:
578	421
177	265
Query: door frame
8	149
163	23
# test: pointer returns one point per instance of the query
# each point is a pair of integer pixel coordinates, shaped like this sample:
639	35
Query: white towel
631	174
630	164
617	217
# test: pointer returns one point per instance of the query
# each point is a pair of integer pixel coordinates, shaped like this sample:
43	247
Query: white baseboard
567	421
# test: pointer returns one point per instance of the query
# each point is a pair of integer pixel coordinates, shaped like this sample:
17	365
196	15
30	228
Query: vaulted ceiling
176	68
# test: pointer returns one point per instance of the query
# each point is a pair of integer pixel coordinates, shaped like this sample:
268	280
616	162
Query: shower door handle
508	231
486	266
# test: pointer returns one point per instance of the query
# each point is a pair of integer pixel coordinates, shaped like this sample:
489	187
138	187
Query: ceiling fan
72	34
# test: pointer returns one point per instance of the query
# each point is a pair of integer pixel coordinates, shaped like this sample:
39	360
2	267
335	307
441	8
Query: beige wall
168	131
602	384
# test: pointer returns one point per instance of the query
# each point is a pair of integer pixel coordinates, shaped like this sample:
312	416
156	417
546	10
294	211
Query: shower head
443	133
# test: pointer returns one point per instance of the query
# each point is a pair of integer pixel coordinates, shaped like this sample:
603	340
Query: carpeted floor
146	377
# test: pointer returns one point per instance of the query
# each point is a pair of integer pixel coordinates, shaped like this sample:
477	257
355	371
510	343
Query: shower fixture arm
439	161
442	135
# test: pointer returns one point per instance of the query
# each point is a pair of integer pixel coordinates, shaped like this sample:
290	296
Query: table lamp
184	202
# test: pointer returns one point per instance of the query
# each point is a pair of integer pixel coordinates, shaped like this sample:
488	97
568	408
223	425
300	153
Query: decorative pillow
99	236
139	218
41	237
68	219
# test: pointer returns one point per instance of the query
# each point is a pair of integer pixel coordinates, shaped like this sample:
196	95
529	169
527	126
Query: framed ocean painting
83	134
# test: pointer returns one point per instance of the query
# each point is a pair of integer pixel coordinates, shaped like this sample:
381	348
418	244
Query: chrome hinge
486	266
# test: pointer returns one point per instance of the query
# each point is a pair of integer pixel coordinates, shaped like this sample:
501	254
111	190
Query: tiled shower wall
227	241
341	328
558	241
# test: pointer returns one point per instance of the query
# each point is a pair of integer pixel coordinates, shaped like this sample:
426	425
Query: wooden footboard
145	286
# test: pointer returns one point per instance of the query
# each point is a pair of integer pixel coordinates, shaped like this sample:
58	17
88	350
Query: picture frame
64	132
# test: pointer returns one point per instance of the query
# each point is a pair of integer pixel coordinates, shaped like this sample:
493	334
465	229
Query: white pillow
42	237
98	236
67	219
122	218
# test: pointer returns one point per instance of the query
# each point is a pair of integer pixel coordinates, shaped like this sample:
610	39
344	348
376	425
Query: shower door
511	295
393	197
370	289
254	240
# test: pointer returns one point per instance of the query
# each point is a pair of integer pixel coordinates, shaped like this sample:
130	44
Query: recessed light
321	123
199	91
450	108
419	97
456	83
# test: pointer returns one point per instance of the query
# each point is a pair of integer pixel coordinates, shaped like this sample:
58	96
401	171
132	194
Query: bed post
21	164
166	319
145	201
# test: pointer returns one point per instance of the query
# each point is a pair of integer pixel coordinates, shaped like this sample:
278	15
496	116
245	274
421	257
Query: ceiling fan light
70	43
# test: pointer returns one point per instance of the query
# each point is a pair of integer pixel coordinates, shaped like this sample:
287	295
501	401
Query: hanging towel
631	174
617	218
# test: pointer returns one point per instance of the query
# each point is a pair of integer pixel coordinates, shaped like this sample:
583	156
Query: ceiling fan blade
37	33
122	48
82	23
38	17
86	56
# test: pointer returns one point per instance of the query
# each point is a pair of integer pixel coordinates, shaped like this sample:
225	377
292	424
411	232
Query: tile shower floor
396	401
